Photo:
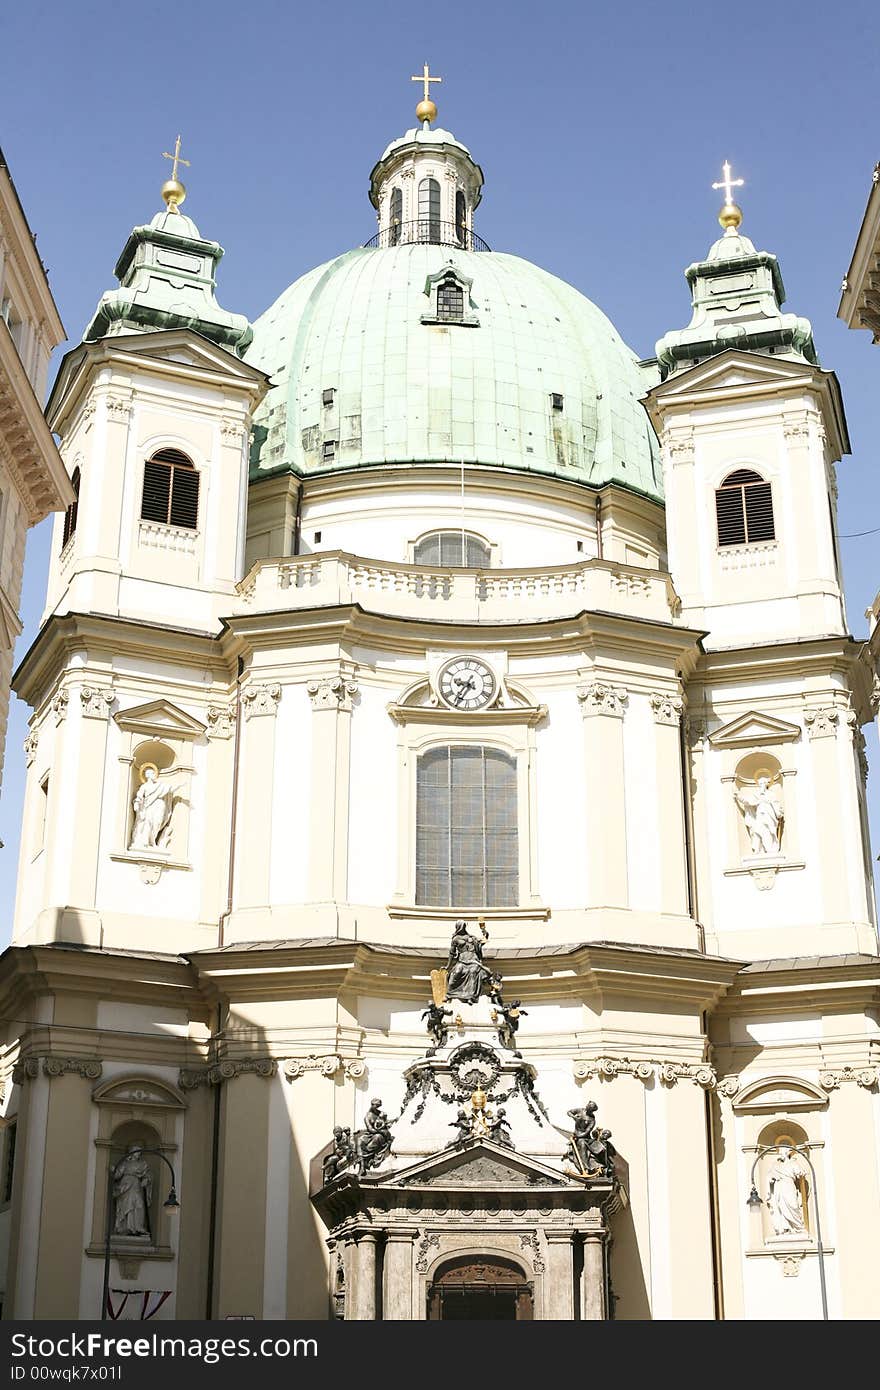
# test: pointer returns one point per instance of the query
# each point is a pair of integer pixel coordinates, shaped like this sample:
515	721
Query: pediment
769	1094
139	1091
733	368
160	717
753	728
480	1164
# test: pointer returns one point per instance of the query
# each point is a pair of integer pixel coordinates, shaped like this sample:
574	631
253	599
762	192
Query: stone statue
584	1128
132	1194
464	1125
602	1153
499	1129
342	1155
437	1026
507	1017
374	1140
762	810
787	1194
152	811
466	975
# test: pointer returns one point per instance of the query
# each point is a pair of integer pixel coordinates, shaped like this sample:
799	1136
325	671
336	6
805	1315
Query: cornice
38	467
23	252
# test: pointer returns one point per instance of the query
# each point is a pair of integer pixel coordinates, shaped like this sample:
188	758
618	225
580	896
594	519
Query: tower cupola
427	186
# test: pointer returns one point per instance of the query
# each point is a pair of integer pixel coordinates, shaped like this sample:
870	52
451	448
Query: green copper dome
528	375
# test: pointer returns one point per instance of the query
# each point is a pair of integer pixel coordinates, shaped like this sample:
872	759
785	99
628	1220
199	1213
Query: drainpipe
297	520
599	527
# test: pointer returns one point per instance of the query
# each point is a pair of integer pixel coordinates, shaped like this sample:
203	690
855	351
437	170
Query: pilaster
259	701
332	699
603	706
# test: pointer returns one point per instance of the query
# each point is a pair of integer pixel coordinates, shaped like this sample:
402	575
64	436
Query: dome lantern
426	186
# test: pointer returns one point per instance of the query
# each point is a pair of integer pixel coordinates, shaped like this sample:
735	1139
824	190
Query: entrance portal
480	1287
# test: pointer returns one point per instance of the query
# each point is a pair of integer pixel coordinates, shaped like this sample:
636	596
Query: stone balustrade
459	595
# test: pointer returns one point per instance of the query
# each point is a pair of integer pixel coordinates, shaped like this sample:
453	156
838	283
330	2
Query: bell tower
153	411
751	429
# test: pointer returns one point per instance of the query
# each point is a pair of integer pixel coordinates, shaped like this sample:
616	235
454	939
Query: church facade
445	884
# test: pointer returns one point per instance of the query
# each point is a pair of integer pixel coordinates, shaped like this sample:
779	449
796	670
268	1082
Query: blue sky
600	129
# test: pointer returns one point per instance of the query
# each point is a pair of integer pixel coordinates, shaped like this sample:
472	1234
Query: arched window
452	550
171	490
460	219
71	514
467	849
744	509
429	210
396	217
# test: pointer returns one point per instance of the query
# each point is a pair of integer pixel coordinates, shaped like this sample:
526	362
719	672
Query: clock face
467	683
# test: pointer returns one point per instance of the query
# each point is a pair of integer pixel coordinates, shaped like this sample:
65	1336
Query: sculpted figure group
368	1148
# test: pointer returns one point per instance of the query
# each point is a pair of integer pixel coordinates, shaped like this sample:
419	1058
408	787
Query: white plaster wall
288	871
373	815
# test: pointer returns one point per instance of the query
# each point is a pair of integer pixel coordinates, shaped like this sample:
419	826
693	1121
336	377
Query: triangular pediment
479	1164
753	728
160	717
734	368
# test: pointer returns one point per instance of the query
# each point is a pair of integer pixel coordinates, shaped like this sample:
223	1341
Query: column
361	1297
559	1279
836	833
332	698
256	794
397	1298
593	1277
603	706
667	710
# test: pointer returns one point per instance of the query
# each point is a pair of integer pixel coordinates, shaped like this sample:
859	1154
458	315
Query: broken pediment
751	729
160	718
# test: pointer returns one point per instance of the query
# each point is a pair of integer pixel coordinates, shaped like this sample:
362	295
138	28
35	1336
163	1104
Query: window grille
450	301
429	209
467	847
451	550
744	509
70	515
171	490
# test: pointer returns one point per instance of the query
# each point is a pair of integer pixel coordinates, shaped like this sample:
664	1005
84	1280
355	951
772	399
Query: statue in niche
467	978
152	811
132	1194
761	806
374	1140
341	1156
787	1194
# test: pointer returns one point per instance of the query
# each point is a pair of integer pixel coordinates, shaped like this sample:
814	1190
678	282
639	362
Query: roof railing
427	231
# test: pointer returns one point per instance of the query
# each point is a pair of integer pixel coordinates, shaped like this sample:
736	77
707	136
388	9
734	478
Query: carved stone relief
97	700
28	1068
333	692
353	1068
599	698
862	1076
190	1078
221	721
260	699
666	709
668	1072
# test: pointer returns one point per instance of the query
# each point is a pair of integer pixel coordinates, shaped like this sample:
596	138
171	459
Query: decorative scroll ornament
862	1076
221	721
529	1242
118	408
822	723
702	1074
429	1241
260	699
231	430
352	1067
59	705
190	1078
679	445
602	699
27	1069
97	700
667	709
334	692
30	747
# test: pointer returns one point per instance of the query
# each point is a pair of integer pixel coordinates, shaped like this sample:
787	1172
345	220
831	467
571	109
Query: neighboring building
33	481
423	600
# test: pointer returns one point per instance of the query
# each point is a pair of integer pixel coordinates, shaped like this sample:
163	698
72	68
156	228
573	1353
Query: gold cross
427	79
177	157
728	184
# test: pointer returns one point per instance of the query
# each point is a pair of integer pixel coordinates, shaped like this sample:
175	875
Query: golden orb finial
730	215
426	109
173	191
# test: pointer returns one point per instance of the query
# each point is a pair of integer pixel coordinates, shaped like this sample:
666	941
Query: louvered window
450	302
429	210
171	490
744	509
467	848
451	550
71	514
